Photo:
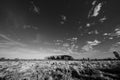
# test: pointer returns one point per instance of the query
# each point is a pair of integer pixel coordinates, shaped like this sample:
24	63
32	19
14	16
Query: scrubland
60	70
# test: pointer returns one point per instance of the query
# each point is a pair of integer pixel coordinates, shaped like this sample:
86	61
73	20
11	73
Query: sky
34	29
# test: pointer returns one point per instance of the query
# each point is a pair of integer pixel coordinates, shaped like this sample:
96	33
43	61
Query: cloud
88	51
13	49
111	38
6	41
115	47
30	27
34	8
93	43
63	17
90	44
93	32
117	31
112	34
70	49
97	9
93	54
87	47
106	34
94	2
74	39
102	19
6	38
88	25
66	45
28	53
58	42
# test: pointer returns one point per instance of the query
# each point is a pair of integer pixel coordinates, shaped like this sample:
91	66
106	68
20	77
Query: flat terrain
60	70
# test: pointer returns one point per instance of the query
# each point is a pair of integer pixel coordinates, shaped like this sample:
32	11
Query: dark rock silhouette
116	54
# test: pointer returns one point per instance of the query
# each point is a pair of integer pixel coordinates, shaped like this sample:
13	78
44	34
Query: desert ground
60	70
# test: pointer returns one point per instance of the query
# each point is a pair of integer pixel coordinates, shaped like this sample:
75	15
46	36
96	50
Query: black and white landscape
59	39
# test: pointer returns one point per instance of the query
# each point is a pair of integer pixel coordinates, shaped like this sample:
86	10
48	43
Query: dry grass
60	70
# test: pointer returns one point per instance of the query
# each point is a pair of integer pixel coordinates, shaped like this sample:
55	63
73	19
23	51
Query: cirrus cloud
90	44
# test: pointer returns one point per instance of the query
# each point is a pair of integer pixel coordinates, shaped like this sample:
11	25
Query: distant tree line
60	57
65	57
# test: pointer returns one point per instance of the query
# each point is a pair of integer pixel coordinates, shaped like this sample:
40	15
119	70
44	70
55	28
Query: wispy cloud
90	44
35	9
102	19
93	43
93	32
68	46
117	31
94	2
63	17
95	10
30	27
11	48
113	34
115	47
27	53
8	41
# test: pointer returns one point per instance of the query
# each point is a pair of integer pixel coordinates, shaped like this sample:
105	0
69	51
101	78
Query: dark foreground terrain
60	70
